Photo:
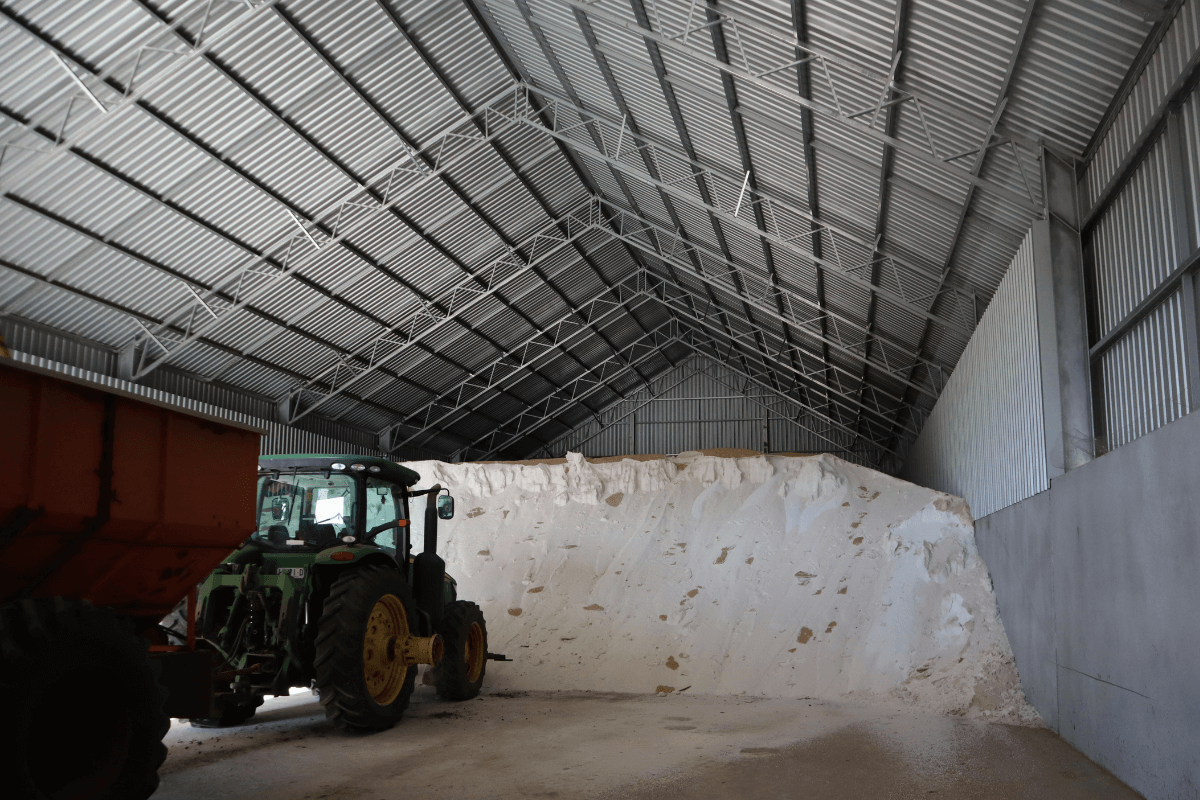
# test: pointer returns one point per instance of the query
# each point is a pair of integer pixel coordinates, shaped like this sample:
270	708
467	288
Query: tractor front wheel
229	715
459	675
361	675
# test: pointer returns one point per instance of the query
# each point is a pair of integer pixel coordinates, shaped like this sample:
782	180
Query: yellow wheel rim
383	667
475	652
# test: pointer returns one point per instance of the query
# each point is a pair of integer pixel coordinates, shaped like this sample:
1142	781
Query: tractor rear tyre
83	707
459	675
361	678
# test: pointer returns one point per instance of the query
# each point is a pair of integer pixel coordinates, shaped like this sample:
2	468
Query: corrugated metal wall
1170	59
695	411
38	341
1144	376
985	439
1142	380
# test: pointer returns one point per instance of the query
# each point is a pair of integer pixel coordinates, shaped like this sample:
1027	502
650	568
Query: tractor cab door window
305	509
383	505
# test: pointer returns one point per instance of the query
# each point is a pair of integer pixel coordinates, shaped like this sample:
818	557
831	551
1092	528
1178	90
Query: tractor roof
388	470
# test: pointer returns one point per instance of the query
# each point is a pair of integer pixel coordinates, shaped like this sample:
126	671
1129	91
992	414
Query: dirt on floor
512	744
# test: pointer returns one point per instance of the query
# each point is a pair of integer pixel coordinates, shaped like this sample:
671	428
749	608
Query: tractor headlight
372	468
348	539
358	467
338	465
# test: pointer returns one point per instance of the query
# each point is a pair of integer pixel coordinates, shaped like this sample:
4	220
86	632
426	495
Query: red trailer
113	508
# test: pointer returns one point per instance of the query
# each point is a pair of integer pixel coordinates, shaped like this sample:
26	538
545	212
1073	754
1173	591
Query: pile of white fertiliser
772	576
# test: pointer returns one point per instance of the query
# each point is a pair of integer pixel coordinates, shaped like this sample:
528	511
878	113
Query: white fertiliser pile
773	576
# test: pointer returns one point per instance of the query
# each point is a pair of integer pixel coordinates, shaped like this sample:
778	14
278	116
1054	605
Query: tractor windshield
305	509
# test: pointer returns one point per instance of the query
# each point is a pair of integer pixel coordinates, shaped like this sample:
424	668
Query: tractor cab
308	503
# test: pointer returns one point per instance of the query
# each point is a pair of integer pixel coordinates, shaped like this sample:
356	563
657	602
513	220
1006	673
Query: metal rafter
361	183
807	139
197	287
883	191
792	237
717	34
775	59
786	306
677	119
630	120
486	24
146	319
504	271
411	145
139	83
220	308
839	400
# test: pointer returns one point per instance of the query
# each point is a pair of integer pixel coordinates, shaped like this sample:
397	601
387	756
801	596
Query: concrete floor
586	745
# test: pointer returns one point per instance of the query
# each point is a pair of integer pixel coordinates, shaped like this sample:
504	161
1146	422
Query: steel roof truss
837	395
779	232
700	363
133	92
466	295
765	296
648	346
837	72
258	275
450	405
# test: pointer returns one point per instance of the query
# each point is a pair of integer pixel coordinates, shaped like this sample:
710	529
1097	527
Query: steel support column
1062	321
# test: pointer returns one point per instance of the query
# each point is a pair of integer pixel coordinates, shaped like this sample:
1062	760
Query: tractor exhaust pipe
431	520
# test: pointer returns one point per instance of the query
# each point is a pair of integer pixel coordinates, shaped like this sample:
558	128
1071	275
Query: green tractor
325	594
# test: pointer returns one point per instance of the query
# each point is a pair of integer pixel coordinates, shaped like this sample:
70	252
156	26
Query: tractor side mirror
278	509
445	506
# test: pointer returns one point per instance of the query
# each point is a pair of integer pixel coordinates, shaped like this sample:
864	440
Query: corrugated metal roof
229	160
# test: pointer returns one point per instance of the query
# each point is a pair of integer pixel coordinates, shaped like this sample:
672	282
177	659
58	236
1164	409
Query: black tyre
229	715
83	710
459	675
361	678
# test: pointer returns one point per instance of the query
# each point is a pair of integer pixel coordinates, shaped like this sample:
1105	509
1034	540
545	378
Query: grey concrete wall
1098	584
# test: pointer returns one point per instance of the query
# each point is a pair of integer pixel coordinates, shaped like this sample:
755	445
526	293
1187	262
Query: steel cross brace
500	273
794	234
509	366
567	396
844	334
774	56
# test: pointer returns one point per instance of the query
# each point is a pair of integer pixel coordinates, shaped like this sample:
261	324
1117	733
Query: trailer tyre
459	675
362	681
83	705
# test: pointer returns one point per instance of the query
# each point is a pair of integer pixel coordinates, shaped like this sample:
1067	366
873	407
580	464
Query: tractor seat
321	535
277	534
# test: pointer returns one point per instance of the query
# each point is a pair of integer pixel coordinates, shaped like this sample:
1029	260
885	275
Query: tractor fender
328	566
347	555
